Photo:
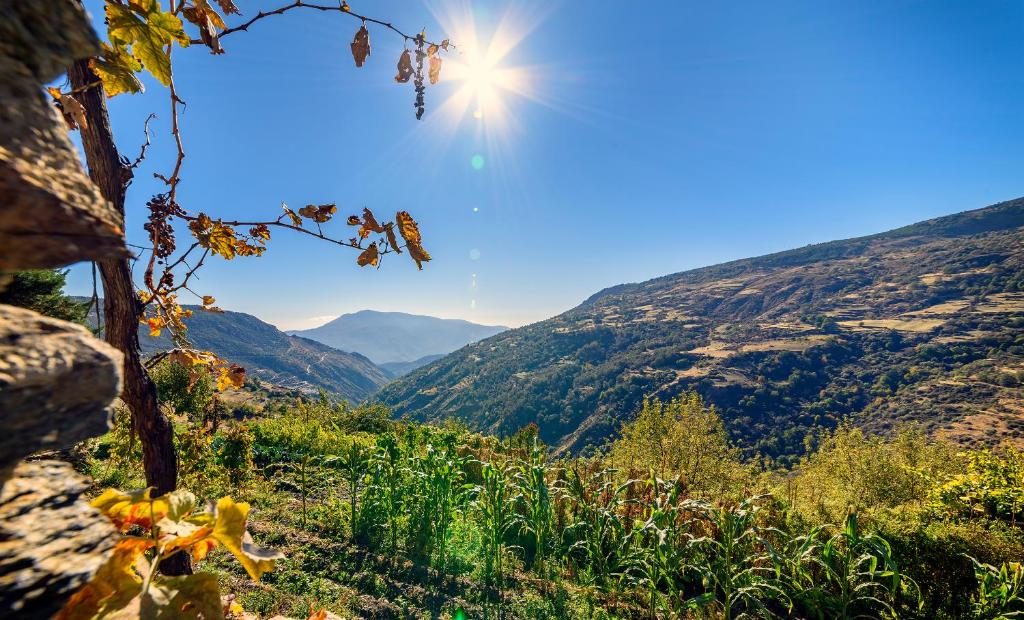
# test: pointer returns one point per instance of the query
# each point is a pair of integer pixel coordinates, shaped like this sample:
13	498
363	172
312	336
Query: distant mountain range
388	338
922	324
269	354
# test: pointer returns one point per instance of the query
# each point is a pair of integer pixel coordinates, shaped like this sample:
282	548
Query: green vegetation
378	518
42	290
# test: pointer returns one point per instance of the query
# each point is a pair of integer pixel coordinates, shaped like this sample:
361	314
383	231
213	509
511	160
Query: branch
342	8
142	151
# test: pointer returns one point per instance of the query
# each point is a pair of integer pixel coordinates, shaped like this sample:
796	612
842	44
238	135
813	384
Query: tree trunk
121	307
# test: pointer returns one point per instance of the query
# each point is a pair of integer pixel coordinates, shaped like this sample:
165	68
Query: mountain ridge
397	337
785	343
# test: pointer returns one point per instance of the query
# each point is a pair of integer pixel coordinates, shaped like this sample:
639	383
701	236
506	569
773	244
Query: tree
42	290
679	438
142	36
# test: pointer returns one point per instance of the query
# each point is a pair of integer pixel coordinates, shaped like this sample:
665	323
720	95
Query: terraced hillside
921	324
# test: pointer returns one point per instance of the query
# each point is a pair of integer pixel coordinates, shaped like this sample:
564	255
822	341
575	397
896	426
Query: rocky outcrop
56	384
52	214
56	380
51	539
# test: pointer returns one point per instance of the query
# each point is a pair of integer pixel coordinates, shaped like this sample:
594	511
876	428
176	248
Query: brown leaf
361	45
444	45
411	233
435	69
74	113
318	213
353	220
405	69
296	220
369	224
228	7
369	256
392	240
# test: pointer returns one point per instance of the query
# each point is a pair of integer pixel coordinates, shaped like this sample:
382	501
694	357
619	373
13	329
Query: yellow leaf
147	29
191	597
369	256
229	530
133	508
296	220
435	69
392	240
208	300
113	587
116	68
221	240
232	376
410	232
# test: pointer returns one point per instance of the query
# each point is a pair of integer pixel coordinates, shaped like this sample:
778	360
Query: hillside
387	337
921	324
270	354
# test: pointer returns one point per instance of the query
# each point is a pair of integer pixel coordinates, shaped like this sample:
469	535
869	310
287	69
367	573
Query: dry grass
913	325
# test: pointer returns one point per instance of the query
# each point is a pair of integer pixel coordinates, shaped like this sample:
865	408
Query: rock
57	382
51	214
51	539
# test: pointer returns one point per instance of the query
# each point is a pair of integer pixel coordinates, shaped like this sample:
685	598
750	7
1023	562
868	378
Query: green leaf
116	67
147	29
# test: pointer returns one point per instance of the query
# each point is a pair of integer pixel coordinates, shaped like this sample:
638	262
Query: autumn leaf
116	68
113	586
220	240
155	324
353	220
232	376
208	20
229	530
389	230
147	29
228	7
74	113
208	300
369	256
296	220
361	46
190	597
261	232
405	69
133	508
435	69
318	213
410	232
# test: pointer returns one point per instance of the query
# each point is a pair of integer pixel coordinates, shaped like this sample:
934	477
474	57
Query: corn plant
384	498
847	574
1000	592
437	490
534	497
735	562
353	462
663	567
600	540
497	520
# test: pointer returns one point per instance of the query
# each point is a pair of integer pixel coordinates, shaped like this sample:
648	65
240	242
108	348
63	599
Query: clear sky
637	139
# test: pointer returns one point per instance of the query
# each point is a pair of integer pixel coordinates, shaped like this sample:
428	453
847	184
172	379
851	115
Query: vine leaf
404	67
318	213
117	68
296	220
361	45
435	69
229	530
208	20
410	232
143	26
389	229
228	7
369	256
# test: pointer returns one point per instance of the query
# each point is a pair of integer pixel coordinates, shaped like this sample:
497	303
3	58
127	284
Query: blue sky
654	137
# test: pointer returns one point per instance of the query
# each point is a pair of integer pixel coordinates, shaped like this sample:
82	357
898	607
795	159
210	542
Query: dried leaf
318	213
232	376
296	220
410	232
435	69
369	256
361	45
260	232
353	220
369	224
74	112
444	45
405	69
392	240
228	7
208	300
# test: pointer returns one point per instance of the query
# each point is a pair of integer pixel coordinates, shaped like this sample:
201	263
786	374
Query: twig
341	8
142	151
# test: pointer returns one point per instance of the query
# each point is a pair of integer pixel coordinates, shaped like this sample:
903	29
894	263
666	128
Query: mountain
386	337
270	354
921	324
398	369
